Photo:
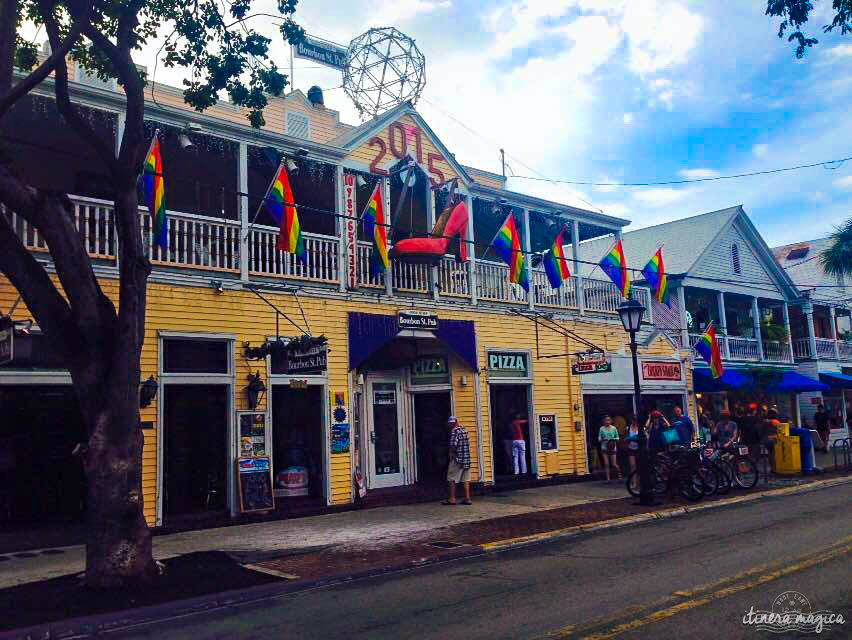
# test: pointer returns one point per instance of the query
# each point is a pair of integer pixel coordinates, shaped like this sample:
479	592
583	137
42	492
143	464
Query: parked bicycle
678	471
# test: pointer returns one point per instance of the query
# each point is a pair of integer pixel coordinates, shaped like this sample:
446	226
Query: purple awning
369	332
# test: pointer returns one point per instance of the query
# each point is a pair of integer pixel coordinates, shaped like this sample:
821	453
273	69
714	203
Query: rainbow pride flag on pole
555	264
708	347
614	264
655	274
155	192
373	219
281	206
507	244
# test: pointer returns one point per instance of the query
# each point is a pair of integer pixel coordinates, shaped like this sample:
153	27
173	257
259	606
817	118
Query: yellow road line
770	571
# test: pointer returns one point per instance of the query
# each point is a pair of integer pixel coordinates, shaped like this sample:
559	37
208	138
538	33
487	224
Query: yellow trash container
788	459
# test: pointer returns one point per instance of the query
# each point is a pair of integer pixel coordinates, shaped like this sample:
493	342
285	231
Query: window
298	125
185	355
735	258
798	253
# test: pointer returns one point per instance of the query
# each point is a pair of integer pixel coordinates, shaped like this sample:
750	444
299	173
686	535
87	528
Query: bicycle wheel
726	478
745	472
633	484
710	479
690	484
660	478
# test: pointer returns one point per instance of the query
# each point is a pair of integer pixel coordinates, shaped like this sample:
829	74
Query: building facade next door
385	448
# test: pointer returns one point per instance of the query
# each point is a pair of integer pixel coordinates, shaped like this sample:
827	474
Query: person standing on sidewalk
683	424
821	418
608	437
519	445
459	467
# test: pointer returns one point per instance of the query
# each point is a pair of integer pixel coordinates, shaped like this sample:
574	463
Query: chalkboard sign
254	478
547	429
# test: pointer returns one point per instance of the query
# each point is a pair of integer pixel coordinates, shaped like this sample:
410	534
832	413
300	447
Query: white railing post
808	308
723	321
242	186
684	328
755	311
430	224
528	259
789	332
833	320
471	253
578	276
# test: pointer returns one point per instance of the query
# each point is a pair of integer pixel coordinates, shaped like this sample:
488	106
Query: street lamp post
630	311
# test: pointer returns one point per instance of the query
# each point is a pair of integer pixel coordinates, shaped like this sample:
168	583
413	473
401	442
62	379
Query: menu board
254	480
547	429
252	434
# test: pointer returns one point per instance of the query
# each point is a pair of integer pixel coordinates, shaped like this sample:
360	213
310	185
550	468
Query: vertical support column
389	272
578	275
755	312
808	308
340	207
121	118
528	258
789	332
471	252
723	322
242	187
833	320
684	327
430	224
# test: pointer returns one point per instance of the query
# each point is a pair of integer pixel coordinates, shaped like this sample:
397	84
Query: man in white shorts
459	467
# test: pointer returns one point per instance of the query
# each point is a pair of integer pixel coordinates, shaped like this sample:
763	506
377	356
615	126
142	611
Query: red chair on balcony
451	223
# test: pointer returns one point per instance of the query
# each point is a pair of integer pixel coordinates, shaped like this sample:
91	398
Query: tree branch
63	97
33	79
8	22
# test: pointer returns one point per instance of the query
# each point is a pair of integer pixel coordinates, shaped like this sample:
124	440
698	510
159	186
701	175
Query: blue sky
617	90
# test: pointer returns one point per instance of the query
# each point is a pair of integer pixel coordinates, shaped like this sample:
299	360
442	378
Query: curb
616	523
109	622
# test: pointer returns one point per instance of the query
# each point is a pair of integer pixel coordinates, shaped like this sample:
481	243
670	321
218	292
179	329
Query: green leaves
795	13
837	259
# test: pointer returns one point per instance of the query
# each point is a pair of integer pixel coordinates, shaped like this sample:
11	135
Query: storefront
402	369
607	386
510	398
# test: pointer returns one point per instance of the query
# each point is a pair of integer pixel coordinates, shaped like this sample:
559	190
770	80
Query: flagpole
265	196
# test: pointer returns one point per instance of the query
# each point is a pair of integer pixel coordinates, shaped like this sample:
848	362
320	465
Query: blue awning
731	380
836	380
792	382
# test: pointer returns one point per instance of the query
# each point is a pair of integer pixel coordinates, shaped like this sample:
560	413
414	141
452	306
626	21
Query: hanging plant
280	347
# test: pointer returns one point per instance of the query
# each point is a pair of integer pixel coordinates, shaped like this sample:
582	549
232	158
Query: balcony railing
207	243
826	349
774	351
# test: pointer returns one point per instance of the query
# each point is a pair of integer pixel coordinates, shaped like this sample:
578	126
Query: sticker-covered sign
661	370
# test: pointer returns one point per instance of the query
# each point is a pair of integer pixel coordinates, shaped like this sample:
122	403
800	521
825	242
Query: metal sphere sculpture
384	68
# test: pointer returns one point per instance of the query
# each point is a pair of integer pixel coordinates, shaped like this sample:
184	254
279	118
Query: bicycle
673	472
735	463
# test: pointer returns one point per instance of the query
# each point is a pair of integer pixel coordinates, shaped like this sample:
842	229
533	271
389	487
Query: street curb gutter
110	622
500	545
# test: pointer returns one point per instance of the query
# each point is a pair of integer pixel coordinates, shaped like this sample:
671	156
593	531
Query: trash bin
788	459
806	449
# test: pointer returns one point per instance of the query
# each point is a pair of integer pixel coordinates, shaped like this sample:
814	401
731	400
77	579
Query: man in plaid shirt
459	468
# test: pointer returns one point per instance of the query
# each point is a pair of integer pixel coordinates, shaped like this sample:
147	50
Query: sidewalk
362	529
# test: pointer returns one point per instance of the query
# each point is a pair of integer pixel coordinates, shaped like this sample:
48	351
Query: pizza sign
592	362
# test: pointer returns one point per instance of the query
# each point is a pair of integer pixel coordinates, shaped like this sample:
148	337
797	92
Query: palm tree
837	259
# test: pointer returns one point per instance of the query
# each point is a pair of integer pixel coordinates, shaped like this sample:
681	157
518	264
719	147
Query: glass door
385	433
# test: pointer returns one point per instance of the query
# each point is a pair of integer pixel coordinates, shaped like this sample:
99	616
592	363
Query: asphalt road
689	577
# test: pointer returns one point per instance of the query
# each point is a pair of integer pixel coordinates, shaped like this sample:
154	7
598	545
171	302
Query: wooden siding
245	317
716	264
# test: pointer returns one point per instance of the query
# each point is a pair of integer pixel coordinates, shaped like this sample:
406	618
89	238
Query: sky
620	91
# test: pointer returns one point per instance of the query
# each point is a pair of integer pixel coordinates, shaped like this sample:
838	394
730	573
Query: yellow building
402	353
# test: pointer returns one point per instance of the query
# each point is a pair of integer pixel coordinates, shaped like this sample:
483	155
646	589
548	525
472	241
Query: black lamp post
630	311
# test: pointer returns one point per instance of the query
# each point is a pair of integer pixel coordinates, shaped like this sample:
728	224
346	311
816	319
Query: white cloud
662	196
695	174
627	118
840	51
661	34
760	150
844	183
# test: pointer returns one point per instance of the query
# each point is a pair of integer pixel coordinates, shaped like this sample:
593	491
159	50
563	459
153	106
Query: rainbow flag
708	347
555	264
507	244
155	193
655	274
373	219
281	205
614	264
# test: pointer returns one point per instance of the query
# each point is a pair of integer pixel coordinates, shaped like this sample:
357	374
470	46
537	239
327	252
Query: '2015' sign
398	137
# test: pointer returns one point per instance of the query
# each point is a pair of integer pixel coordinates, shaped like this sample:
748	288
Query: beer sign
591	362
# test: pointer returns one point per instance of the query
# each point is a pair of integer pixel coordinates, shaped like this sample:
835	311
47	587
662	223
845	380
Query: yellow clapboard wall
236	312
